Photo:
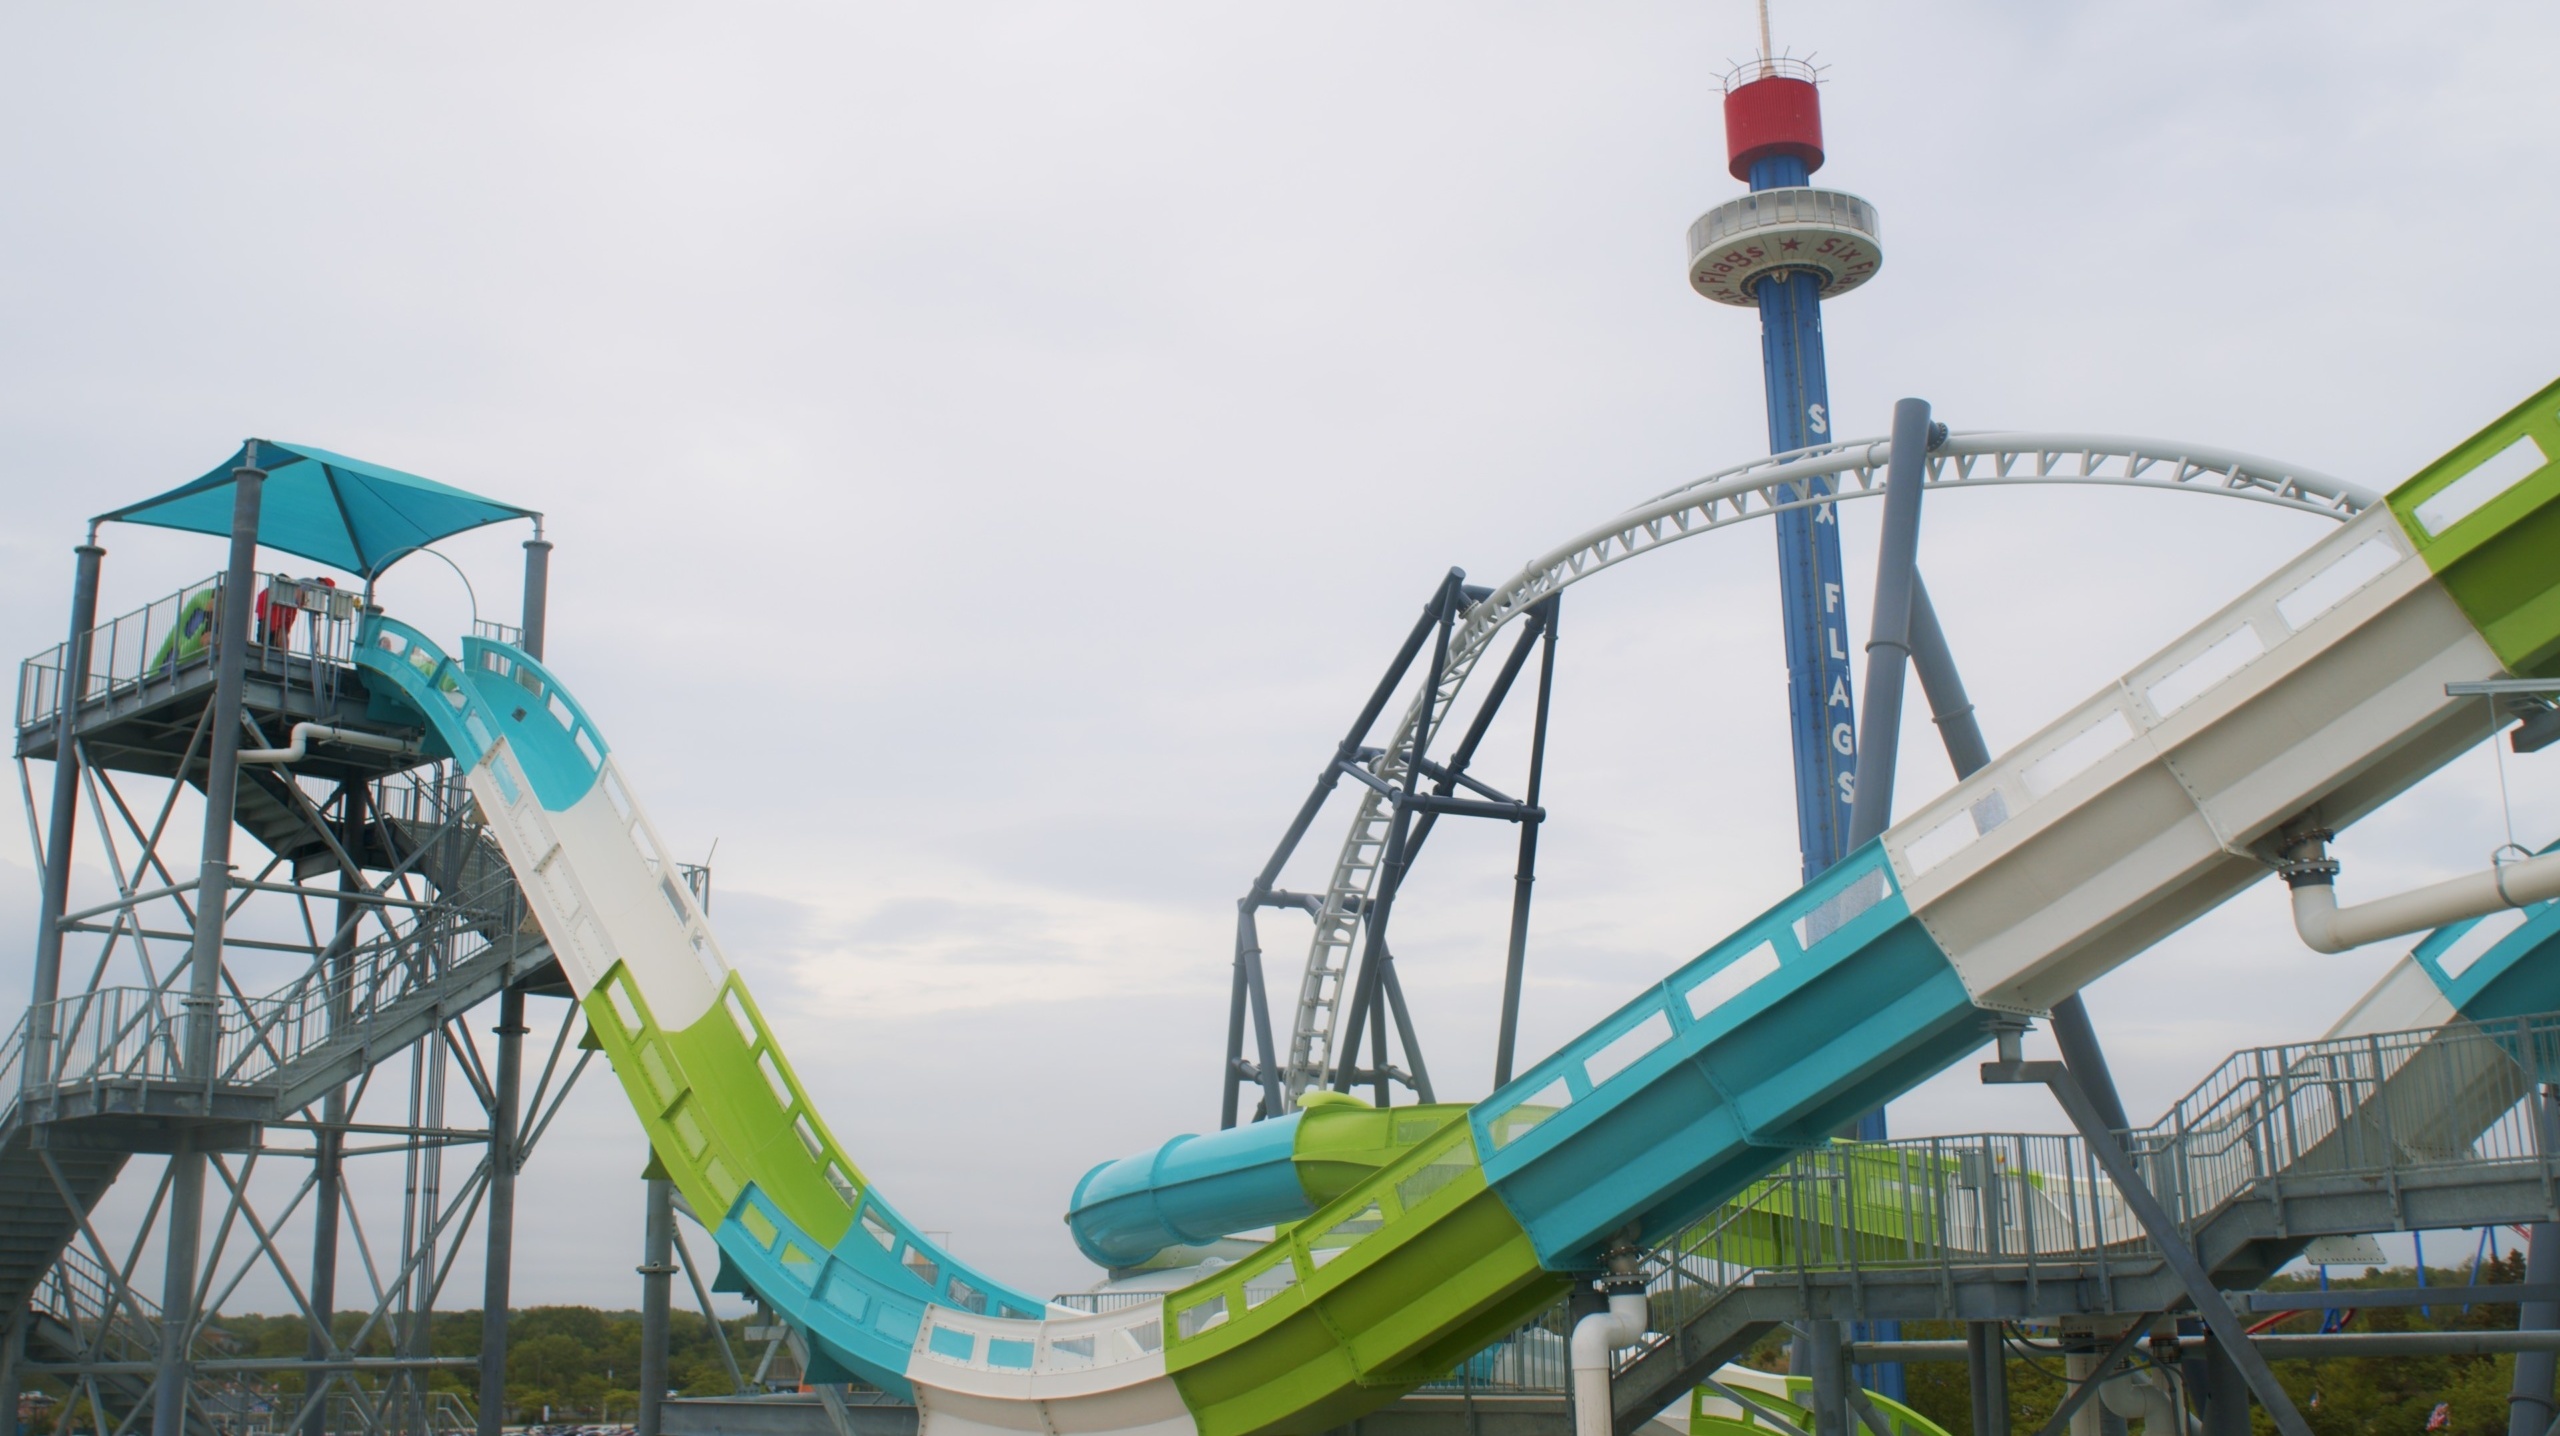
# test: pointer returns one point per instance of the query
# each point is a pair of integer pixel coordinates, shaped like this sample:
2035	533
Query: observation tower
1783	249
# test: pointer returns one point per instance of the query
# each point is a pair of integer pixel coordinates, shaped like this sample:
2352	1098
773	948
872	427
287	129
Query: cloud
994	449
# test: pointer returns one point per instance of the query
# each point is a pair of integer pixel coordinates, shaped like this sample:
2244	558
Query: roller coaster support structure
1374	994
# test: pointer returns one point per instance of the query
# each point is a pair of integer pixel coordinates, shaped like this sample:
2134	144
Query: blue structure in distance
1821	704
1773	257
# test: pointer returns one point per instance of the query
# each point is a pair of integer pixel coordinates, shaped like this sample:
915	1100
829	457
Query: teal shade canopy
343	512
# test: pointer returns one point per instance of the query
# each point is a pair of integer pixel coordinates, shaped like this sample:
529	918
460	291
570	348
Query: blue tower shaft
1813	601
1813	608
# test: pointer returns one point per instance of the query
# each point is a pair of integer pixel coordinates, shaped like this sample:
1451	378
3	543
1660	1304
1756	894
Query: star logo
1789	243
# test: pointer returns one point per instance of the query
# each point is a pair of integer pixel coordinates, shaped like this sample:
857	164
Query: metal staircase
76	1317
45	1193
114	1063
2391	1132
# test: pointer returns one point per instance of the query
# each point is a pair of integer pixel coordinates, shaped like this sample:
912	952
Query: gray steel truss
1359	888
2394	1132
313	1107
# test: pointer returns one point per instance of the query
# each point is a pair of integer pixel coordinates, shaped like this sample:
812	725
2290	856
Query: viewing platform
141	702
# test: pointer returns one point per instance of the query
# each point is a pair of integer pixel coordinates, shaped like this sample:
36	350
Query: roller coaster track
1805	478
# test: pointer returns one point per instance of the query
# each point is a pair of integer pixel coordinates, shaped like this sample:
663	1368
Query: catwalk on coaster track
2318	695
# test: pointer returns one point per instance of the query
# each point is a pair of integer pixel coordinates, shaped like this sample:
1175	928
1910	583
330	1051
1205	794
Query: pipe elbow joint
1601	1333
2315	913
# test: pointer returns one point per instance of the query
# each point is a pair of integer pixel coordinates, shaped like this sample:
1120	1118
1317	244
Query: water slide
2320	692
1194	1190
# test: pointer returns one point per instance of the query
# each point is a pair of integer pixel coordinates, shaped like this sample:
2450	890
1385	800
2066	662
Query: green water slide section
1706	1419
2498	571
1387	1286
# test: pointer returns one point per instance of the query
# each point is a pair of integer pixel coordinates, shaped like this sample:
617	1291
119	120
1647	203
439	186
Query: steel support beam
1961	732
2174	1250
1249	998
505	1157
537	590
505	1145
1986	1358
1524	874
1367	990
657	1287
63	815
2332	1346
2529	1405
1826	1355
329	1143
204	970
1880	741
1247	995
1889	632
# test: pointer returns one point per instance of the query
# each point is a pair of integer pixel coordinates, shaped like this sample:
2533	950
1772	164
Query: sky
993	448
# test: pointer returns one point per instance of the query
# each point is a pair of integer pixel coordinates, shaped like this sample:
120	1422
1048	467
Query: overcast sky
993	448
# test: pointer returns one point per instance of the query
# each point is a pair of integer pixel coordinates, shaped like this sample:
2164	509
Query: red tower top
1775	111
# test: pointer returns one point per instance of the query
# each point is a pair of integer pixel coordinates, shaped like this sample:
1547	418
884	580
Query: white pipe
303	733
2327	927
2141	1396
1594	1337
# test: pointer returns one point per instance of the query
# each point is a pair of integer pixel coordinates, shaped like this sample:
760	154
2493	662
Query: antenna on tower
1765	68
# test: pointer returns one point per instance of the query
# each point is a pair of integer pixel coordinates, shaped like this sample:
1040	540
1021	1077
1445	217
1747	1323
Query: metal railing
2370	1108
2371	1105
406	1411
139	1033
81	1294
1776	208
1769	67
1534	1360
174	633
2364	1107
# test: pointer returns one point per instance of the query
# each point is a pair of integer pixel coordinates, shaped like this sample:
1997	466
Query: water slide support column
657	1286
204	970
1952	711
1888	667
13	1354
537	590
1889	633
1987	1375
505	1149
37	1067
2529	1405
63	815
505	1156
328	1157
2226	1393
2011	1067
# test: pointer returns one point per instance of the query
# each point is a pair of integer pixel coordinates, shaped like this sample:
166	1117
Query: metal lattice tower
273	1043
